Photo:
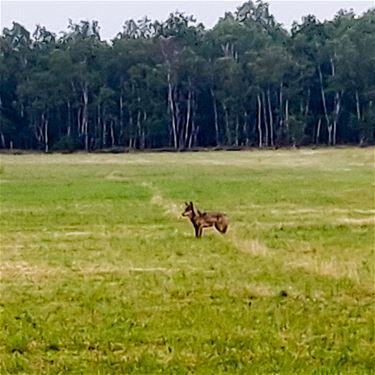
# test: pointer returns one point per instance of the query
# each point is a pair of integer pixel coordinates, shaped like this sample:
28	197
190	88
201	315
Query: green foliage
247	81
65	143
101	274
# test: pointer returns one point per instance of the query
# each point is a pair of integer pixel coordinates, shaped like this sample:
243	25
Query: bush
65	143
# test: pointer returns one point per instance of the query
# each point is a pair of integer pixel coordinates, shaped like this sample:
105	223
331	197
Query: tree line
247	82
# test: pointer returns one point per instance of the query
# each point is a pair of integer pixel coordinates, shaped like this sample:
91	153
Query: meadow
100	274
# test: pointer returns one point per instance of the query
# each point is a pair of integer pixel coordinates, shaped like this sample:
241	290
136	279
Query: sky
55	15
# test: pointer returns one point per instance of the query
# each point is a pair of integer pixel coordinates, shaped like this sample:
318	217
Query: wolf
202	220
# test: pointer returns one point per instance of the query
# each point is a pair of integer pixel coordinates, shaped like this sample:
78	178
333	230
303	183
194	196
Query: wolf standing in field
202	220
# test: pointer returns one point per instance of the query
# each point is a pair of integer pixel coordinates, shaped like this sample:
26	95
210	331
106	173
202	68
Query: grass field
100	274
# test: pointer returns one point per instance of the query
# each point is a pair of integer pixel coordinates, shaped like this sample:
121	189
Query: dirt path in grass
249	246
310	263
168	206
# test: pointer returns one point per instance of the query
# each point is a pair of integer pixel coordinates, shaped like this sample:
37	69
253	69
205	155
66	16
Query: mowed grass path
100	274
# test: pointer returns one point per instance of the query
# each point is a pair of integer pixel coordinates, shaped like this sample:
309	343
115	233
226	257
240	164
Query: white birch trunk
270	116
358	106
336	116
172	112
329	125
85	120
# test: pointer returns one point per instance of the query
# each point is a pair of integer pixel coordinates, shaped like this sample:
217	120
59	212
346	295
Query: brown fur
202	220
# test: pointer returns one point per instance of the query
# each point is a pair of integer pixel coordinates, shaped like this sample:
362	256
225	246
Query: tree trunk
131	143
227	130
265	118
98	132
1	133
46	140
329	125
192	137
143	130
260	133
318	130
85	120
332	67
307	103
237	141
104	134
45	127
287	119
179	119
139	129
358	106
281	120
122	130
79	121
287	114
69	130
246	129
172	112
188	115
330	135
337	106
112	134
3	144
215	117
336	116
270	117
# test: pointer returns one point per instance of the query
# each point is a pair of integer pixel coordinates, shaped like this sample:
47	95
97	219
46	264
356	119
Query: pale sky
54	15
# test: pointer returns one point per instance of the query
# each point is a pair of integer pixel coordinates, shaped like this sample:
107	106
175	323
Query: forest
247	82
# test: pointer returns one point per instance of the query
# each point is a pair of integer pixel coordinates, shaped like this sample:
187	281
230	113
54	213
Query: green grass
101	275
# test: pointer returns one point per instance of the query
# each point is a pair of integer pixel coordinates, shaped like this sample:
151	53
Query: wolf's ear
186	203
191	202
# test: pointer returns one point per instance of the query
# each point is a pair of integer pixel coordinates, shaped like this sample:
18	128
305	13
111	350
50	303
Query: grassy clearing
100	274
